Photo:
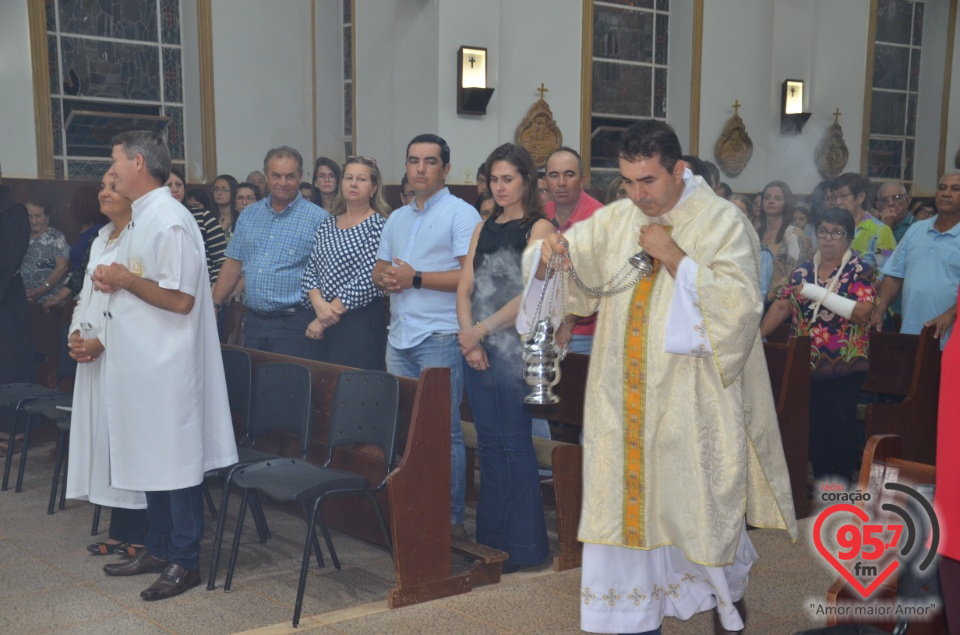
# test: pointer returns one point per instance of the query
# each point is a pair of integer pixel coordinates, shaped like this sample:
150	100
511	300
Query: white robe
164	394
88	470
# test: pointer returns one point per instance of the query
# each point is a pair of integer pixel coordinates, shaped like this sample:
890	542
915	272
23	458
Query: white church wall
750	48
18	134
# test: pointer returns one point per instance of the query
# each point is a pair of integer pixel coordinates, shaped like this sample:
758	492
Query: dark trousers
286	335
950	588
128	525
510	508
358	340
176	526
833	424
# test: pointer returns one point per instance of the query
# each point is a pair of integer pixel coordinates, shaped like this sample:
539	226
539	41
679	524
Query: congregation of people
326	270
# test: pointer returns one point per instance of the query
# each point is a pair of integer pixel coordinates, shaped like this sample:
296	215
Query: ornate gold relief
734	147
538	132
832	154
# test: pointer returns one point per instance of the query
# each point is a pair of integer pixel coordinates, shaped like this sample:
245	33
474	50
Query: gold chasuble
677	448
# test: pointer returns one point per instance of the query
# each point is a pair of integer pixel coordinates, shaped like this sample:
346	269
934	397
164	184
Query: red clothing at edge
585	208
948	440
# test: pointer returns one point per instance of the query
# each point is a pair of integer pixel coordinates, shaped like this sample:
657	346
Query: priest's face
651	187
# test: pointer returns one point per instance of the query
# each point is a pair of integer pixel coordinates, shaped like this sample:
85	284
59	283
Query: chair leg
308	544
236	541
8	463
61	442
383	523
259	520
307	514
23	454
209	499
95	528
318	518
66	464
218	535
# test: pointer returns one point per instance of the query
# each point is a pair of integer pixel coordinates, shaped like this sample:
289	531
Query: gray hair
283	152
949	173
151	146
896	184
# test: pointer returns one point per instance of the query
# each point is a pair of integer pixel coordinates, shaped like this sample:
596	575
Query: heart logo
865	591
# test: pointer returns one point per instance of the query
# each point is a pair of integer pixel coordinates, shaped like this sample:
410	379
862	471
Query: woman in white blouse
351	321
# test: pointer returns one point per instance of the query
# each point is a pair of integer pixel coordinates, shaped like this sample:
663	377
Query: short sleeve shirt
274	248
431	240
928	262
873	241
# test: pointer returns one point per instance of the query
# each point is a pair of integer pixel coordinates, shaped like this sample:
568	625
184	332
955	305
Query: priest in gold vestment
681	442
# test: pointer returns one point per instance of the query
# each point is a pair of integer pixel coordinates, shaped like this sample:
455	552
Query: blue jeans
440	351
510	508
285	335
175	526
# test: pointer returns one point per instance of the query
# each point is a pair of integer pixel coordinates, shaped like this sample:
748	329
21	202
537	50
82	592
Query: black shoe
143	563
172	582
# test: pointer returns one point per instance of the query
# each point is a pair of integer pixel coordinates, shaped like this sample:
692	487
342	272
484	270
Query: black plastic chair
280	402
364	412
237	371
17	397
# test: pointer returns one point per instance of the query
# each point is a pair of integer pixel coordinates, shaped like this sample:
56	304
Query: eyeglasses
896	198
836	234
839	197
221	190
249	198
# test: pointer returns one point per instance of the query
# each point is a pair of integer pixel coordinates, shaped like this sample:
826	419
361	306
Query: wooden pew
907	366
789	368
567	459
883	463
417	497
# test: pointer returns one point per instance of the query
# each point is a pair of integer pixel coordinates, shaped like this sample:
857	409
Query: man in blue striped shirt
271	243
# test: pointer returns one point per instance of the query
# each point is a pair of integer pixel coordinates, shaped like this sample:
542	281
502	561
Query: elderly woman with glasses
830	299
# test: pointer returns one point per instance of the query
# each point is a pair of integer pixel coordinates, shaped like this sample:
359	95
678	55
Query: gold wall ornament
832	154
538	132
734	147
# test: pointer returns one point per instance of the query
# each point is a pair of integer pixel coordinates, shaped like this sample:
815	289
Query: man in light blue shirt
270	247
419	261
926	266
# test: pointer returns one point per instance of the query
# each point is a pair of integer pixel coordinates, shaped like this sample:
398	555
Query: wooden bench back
789	368
882	464
893	359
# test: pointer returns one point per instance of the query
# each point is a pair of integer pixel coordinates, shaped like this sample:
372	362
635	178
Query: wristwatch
417	279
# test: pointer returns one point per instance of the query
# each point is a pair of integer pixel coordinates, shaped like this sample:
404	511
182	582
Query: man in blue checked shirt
270	247
421	254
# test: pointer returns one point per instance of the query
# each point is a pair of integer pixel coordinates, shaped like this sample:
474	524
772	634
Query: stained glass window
629	75
347	78
893	100
114	65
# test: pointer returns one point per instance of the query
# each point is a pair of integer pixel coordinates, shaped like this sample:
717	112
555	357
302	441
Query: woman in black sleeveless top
510	509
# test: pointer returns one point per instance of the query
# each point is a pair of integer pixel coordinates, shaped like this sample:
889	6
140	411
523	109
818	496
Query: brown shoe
718	628
172	582
143	563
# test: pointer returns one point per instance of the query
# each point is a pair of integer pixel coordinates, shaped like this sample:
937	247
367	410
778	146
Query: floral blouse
837	345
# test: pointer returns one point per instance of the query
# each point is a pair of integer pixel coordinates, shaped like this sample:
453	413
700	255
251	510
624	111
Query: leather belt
281	313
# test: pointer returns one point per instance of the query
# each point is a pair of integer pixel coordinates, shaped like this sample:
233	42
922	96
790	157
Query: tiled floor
49	584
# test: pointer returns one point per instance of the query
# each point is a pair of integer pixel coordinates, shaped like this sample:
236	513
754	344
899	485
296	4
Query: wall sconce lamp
472	92
792	117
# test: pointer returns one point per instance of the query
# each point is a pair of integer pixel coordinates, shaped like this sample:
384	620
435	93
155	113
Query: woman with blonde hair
350	322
